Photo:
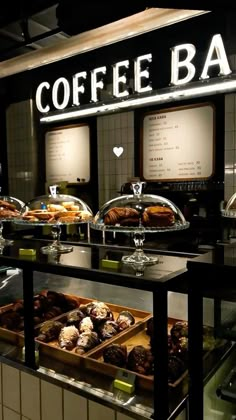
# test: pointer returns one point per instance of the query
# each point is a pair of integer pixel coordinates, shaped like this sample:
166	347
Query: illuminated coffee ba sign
71	91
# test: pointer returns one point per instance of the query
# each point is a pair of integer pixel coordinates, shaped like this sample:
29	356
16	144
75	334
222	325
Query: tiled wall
21	150
114	131
26	397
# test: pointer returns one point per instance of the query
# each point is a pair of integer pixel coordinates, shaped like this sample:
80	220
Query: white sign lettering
182	72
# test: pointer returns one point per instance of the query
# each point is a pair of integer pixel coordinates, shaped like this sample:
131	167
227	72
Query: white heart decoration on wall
118	151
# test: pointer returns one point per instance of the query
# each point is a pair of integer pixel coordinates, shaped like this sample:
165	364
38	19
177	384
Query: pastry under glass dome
139	213
55	210
10	209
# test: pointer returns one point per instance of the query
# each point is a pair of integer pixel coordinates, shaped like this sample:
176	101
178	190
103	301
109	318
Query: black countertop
85	262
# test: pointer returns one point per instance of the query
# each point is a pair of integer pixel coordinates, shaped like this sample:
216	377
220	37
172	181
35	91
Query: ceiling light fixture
137	24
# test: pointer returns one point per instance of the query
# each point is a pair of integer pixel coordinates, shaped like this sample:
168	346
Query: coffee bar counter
95	273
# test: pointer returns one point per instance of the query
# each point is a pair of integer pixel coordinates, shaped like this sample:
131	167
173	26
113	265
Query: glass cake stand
10	210
139	213
55	210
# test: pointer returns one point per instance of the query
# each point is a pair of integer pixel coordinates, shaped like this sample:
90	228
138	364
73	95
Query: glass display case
105	294
212	282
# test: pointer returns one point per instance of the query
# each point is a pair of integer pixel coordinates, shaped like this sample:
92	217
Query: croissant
158	216
121	215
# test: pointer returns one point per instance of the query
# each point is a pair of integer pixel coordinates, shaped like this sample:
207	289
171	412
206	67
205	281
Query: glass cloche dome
10	207
230	208
129	212
139	213
10	210
55	210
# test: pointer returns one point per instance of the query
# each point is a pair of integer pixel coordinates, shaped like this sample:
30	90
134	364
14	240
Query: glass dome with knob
10	210
139	213
55	210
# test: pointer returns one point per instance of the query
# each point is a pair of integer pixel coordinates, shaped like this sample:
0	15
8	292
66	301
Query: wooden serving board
140	318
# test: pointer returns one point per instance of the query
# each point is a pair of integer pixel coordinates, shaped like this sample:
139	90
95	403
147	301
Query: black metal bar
195	344
160	351
28	294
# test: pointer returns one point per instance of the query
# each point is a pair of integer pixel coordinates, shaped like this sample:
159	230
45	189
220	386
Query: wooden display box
140	318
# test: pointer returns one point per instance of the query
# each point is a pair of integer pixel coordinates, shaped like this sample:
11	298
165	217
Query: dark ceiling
28	25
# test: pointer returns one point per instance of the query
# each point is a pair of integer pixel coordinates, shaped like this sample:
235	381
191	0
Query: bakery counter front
89	328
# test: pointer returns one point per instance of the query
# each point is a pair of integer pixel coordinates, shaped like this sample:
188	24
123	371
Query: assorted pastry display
8	210
47	305
140	358
85	327
65	212
151	216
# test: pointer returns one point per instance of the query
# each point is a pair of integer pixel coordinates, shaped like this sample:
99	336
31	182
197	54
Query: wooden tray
15	336
140	318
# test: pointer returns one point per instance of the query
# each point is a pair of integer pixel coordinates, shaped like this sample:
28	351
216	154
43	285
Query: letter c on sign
38	96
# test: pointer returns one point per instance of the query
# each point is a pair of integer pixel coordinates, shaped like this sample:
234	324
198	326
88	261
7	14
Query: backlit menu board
68	154
178	144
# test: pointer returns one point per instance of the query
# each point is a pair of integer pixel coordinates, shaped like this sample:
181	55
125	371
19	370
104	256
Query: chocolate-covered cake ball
124	320
179	329
140	360
115	354
176	368
107	329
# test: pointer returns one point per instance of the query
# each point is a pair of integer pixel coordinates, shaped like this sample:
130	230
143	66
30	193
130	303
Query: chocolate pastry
75	317
124	216
71	303
99	311
155	216
7	205
140	360
86	307
115	354
10	320
86	325
150	327
176	368
8	214
49	331
86	341
178	347
68	337
54	311
179	329
124	320
57	299
107	329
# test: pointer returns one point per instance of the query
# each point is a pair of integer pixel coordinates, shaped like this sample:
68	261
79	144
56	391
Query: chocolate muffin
140	360
115	354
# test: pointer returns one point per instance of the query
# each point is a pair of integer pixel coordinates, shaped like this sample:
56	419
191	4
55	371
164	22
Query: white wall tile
51	401
229	159
75	406
98	411
10	414
11	387
229	121
229	140
229	103
30	396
